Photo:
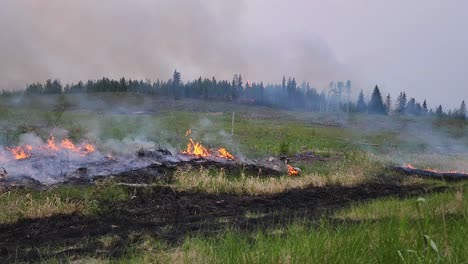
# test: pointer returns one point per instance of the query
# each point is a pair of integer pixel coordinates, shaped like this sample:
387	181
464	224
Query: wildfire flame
197	149
88	148
225	154
292	171
51	144
20	152
24	152
67	144
410	166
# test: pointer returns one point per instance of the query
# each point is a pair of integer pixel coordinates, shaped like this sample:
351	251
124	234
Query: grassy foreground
432	229
427	226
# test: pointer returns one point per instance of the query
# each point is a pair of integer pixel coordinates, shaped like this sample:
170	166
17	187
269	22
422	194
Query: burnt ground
171	216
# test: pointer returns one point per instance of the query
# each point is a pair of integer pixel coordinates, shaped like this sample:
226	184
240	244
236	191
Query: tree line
286	95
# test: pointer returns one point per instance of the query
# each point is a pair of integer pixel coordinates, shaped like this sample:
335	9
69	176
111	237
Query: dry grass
246	185
14	206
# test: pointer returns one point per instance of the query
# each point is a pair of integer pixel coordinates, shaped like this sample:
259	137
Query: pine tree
439	111
361	105
376	105
411	107
239	82
462	111
388	104
401	104
424	107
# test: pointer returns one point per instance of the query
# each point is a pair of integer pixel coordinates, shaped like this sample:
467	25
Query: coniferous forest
287	95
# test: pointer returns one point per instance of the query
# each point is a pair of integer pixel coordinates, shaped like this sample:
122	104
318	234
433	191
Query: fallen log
448	176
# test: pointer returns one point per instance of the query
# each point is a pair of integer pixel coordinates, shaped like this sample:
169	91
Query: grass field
348	208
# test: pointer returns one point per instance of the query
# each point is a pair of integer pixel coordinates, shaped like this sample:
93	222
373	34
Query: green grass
386	230
389	230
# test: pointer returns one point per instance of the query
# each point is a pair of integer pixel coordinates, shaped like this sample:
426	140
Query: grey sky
419	46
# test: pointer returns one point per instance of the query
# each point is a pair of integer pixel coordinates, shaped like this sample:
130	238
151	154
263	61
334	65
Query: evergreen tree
462	111
239	82
176	79
122	85
361	105
177	85
401	104
424	107
411	107
439	111
418	109
376	105
388	104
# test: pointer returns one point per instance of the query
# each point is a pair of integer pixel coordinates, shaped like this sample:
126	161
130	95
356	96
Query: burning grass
51	148
380	231
353	170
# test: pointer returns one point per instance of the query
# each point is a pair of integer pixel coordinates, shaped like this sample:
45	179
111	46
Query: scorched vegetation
332	195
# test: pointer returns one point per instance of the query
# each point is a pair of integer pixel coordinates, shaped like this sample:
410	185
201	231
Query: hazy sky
419	46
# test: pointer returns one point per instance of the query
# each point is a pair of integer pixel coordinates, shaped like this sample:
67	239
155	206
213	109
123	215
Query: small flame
195	148
410	166
292	171
225	154
188	132
51	144
67	144
88	148
20	152
24	152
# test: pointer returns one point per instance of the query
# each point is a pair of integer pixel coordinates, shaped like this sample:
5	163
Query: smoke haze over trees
285	95
316	41
87	39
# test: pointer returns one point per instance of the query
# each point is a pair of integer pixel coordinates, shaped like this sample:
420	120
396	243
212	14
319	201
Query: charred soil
172	215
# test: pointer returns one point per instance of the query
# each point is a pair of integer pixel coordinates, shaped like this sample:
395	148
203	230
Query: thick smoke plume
87	39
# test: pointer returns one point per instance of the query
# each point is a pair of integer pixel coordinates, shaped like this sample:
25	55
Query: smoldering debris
45	170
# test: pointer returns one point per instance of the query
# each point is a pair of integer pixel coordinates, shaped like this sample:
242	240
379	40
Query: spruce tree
361	105
376	105
388	104
462	110
401	104
424	107
439	111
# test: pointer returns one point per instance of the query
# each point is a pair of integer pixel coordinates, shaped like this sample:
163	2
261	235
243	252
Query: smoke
87	39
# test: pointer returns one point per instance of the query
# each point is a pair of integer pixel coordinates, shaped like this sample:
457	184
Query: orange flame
67	144
51	143
88	148
195	148
410	166
225	154
188	132
20	152
292	171
24	152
